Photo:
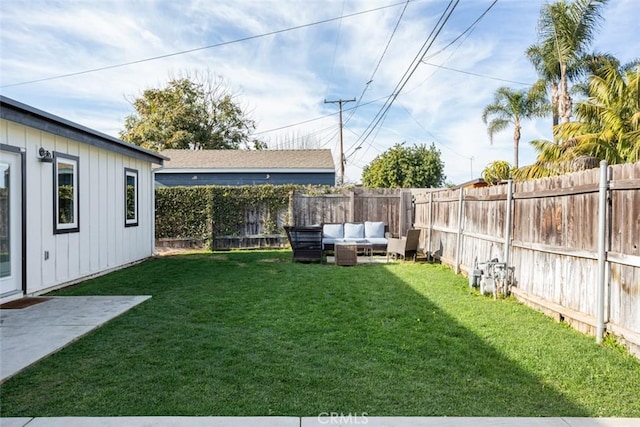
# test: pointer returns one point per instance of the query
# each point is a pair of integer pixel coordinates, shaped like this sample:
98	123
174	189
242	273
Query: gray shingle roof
248	159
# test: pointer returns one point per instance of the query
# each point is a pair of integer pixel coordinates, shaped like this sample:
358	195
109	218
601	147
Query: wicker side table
346	253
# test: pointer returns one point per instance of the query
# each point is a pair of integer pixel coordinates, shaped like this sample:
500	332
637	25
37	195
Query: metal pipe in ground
602	227
507	225
459	235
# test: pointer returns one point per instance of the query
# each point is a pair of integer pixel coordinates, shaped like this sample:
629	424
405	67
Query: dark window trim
131	172
56	229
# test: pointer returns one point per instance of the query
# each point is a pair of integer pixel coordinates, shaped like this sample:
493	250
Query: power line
469	28
377	120
385	97
466	33
335	48
477	75
183	52
375	70
432	135
316	118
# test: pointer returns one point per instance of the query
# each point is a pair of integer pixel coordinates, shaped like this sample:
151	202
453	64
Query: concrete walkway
329	421
31	333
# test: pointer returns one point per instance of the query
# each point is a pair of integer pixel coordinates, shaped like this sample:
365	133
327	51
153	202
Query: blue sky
283	79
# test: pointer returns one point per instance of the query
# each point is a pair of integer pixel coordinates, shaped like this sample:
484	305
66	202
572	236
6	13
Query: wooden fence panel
444	225
357	205
318	209
422	218
624	283
483	226
555	239
553	244
378	205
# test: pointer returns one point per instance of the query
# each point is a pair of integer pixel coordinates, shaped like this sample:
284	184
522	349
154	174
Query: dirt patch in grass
273	260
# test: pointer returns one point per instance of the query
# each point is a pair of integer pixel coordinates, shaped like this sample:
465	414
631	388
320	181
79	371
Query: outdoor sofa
369	232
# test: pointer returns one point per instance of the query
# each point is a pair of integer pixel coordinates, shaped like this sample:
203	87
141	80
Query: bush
184	212
203	211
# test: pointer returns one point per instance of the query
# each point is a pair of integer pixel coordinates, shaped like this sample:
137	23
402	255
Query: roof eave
24	114
244	170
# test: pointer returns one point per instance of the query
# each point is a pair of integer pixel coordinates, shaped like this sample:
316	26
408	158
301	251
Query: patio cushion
380	241
353	231
354	240
329	241
332	231
374	229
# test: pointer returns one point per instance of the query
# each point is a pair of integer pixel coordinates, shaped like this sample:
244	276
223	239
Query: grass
248	333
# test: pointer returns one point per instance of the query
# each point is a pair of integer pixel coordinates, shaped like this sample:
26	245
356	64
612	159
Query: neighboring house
74	202
246	167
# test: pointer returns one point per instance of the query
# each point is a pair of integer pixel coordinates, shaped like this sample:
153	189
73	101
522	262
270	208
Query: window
65	198
130	197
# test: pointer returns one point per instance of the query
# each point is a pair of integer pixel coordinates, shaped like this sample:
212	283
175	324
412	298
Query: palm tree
565	32
497	171
608	125
510	107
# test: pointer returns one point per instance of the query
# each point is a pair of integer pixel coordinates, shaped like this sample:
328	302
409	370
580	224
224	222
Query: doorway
11	218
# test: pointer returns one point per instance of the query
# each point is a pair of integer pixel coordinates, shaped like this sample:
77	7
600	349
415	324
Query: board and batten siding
102	242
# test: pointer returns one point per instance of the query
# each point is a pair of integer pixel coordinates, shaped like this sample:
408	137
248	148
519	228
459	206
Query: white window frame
131	173
66	227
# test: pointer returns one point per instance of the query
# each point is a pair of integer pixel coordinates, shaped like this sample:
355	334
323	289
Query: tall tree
405	167
188	114
607	126
511	107
565	33
294	141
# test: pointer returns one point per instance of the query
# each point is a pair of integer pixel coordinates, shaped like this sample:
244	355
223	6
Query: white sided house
74	202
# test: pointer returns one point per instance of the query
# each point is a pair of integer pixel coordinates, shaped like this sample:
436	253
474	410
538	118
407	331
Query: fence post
459	235
507	225
289	217
405	211
352	206
602	226
153	211
430	223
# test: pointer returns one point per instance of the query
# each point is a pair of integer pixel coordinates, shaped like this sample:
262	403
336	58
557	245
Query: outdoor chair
306	243
405	247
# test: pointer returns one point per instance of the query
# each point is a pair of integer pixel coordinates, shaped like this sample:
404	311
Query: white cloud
283	79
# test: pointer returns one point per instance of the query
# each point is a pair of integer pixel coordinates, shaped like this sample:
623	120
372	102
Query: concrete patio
31	333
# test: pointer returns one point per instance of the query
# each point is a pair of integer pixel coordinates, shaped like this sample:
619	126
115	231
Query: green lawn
249	333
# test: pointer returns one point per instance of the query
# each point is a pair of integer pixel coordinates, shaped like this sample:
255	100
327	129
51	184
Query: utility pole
340	102
471	159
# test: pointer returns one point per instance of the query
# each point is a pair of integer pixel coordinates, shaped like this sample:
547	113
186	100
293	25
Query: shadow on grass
238	335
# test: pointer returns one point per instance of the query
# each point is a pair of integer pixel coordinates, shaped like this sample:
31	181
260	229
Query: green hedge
231	204
200	212
184	212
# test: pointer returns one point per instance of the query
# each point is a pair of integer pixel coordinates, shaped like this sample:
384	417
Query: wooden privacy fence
261	224
392	206
549	231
